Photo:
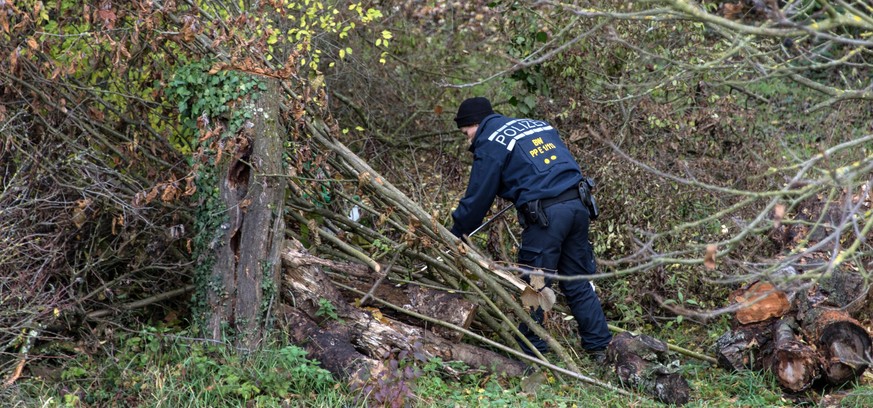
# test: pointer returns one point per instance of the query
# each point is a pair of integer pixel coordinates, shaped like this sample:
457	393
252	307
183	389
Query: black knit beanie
472	111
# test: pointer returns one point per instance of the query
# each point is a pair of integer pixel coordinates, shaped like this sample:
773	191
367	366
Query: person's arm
481	191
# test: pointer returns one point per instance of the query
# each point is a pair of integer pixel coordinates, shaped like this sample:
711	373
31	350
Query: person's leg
540	249
577	259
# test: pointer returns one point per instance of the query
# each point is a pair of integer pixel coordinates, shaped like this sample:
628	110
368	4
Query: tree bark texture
742	347
439	304
374	335
640	362
247	259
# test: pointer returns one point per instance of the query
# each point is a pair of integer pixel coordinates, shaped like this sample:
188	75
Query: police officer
525	162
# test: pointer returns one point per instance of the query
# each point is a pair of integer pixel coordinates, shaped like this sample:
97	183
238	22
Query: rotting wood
332	348
640	361
829	343
373	334
449	307
794	363
742	347
843	343
247	254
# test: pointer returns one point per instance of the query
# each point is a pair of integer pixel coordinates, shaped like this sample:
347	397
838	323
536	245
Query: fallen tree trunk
440	304
640	362
372	334
340	358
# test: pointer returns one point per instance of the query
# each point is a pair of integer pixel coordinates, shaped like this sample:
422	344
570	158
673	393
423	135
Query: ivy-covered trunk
251	186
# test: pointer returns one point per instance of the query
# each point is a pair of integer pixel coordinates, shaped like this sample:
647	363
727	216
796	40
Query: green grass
158	369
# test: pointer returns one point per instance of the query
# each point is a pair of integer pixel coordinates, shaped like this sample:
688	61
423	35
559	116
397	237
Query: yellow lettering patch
541	149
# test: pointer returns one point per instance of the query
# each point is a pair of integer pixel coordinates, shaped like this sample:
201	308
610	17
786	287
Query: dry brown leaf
438	109
97	114
363	179
79	214
13	61
169	193
190	186
778	215
4	23
530	298
732	11
709	258
31	42
84	202
151	195
107	16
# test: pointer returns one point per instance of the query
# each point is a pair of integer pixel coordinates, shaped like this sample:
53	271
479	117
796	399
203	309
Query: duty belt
570	194
534	212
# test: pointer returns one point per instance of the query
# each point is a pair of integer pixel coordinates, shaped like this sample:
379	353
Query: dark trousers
563	247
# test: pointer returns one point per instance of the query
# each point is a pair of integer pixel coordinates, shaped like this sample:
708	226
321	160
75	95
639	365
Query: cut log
742	347
829	344
371	334
845	344
759	302
794	363
639	362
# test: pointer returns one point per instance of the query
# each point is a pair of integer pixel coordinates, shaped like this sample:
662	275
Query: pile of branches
96	201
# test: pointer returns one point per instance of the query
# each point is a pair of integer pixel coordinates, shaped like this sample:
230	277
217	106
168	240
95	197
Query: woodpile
805	336
351	341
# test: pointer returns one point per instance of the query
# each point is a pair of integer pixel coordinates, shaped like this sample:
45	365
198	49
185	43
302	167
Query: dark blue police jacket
517	159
